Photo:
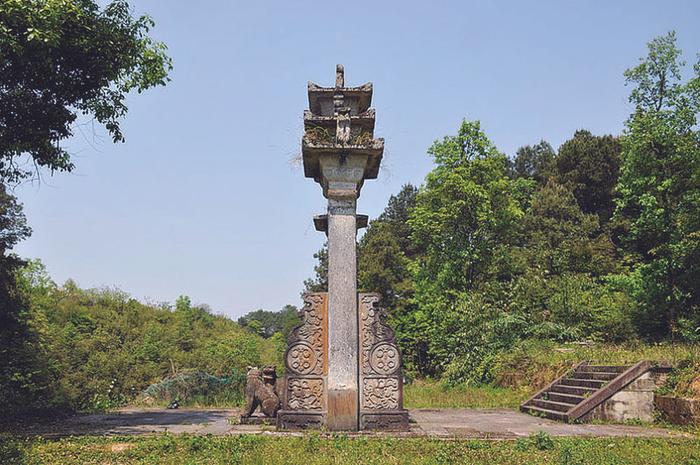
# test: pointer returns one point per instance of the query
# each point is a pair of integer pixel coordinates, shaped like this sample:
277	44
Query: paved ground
506	423
468	423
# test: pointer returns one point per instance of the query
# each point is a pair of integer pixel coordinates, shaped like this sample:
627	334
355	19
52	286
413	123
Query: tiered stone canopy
343	368
339	149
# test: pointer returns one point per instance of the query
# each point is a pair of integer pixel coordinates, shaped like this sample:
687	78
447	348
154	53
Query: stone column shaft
343	406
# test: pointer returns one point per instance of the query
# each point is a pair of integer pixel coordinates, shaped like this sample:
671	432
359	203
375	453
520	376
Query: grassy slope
315	449
533	364
522	371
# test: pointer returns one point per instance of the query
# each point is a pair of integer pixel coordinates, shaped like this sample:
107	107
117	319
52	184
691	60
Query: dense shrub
101	348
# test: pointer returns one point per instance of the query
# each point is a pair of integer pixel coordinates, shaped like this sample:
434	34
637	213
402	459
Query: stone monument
342	365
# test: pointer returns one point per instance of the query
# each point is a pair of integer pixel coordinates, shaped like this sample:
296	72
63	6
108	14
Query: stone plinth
307	396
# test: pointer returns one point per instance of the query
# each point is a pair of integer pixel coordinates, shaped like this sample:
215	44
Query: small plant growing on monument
320	135
362	138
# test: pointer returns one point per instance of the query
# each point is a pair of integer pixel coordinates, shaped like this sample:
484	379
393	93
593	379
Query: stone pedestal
343	366
309	394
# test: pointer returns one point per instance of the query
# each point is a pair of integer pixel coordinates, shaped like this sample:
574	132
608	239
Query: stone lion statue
260	391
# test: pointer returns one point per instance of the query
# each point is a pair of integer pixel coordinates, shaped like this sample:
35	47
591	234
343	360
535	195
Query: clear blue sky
202	199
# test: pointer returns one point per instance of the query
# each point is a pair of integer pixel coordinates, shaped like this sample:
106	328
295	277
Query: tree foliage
559	237
468	209
535	162
659	189
267	323
99	348
319	283
589	165
62	58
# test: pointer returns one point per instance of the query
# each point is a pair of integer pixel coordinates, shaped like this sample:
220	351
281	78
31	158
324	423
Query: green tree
659	188
267	323
386	250
319	283
61	58
25	372
535	162
468	209
560	238
589	165
396	215
465	220
383	266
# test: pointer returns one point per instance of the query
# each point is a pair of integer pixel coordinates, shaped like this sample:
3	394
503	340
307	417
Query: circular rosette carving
384	358
302	358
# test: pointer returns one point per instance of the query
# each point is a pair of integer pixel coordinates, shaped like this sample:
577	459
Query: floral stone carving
304	398
381	396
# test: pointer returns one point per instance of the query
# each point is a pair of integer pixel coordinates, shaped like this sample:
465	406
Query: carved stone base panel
307	399
381	393
392	420
381	383
305	393
305	385
298	419
307	350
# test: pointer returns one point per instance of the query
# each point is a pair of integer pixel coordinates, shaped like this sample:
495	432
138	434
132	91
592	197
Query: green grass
316	449
433	394
219	400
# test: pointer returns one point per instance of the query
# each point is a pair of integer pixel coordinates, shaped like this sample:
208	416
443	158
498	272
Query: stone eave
311	153
365	120
321	222
363	92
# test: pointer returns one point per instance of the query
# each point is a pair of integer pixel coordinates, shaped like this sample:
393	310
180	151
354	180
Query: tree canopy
589	165
63	58
659	189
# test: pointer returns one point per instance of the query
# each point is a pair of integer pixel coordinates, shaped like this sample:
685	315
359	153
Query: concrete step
598	375
566	398
551	405
543	412
592	383
606	368
575	390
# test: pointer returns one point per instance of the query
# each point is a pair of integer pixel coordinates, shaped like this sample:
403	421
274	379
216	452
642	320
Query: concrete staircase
582	389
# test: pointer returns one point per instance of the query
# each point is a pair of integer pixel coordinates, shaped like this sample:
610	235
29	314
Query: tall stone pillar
343	176
342	366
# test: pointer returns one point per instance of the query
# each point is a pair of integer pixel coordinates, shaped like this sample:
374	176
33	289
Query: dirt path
446	423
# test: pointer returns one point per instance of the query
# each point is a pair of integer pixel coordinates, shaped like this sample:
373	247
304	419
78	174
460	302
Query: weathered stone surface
294	419
304	398
306	353
261	391
339	124
381	396
342	316
385	421
341	180
678	410
321	222
257	419
634	402
305	393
